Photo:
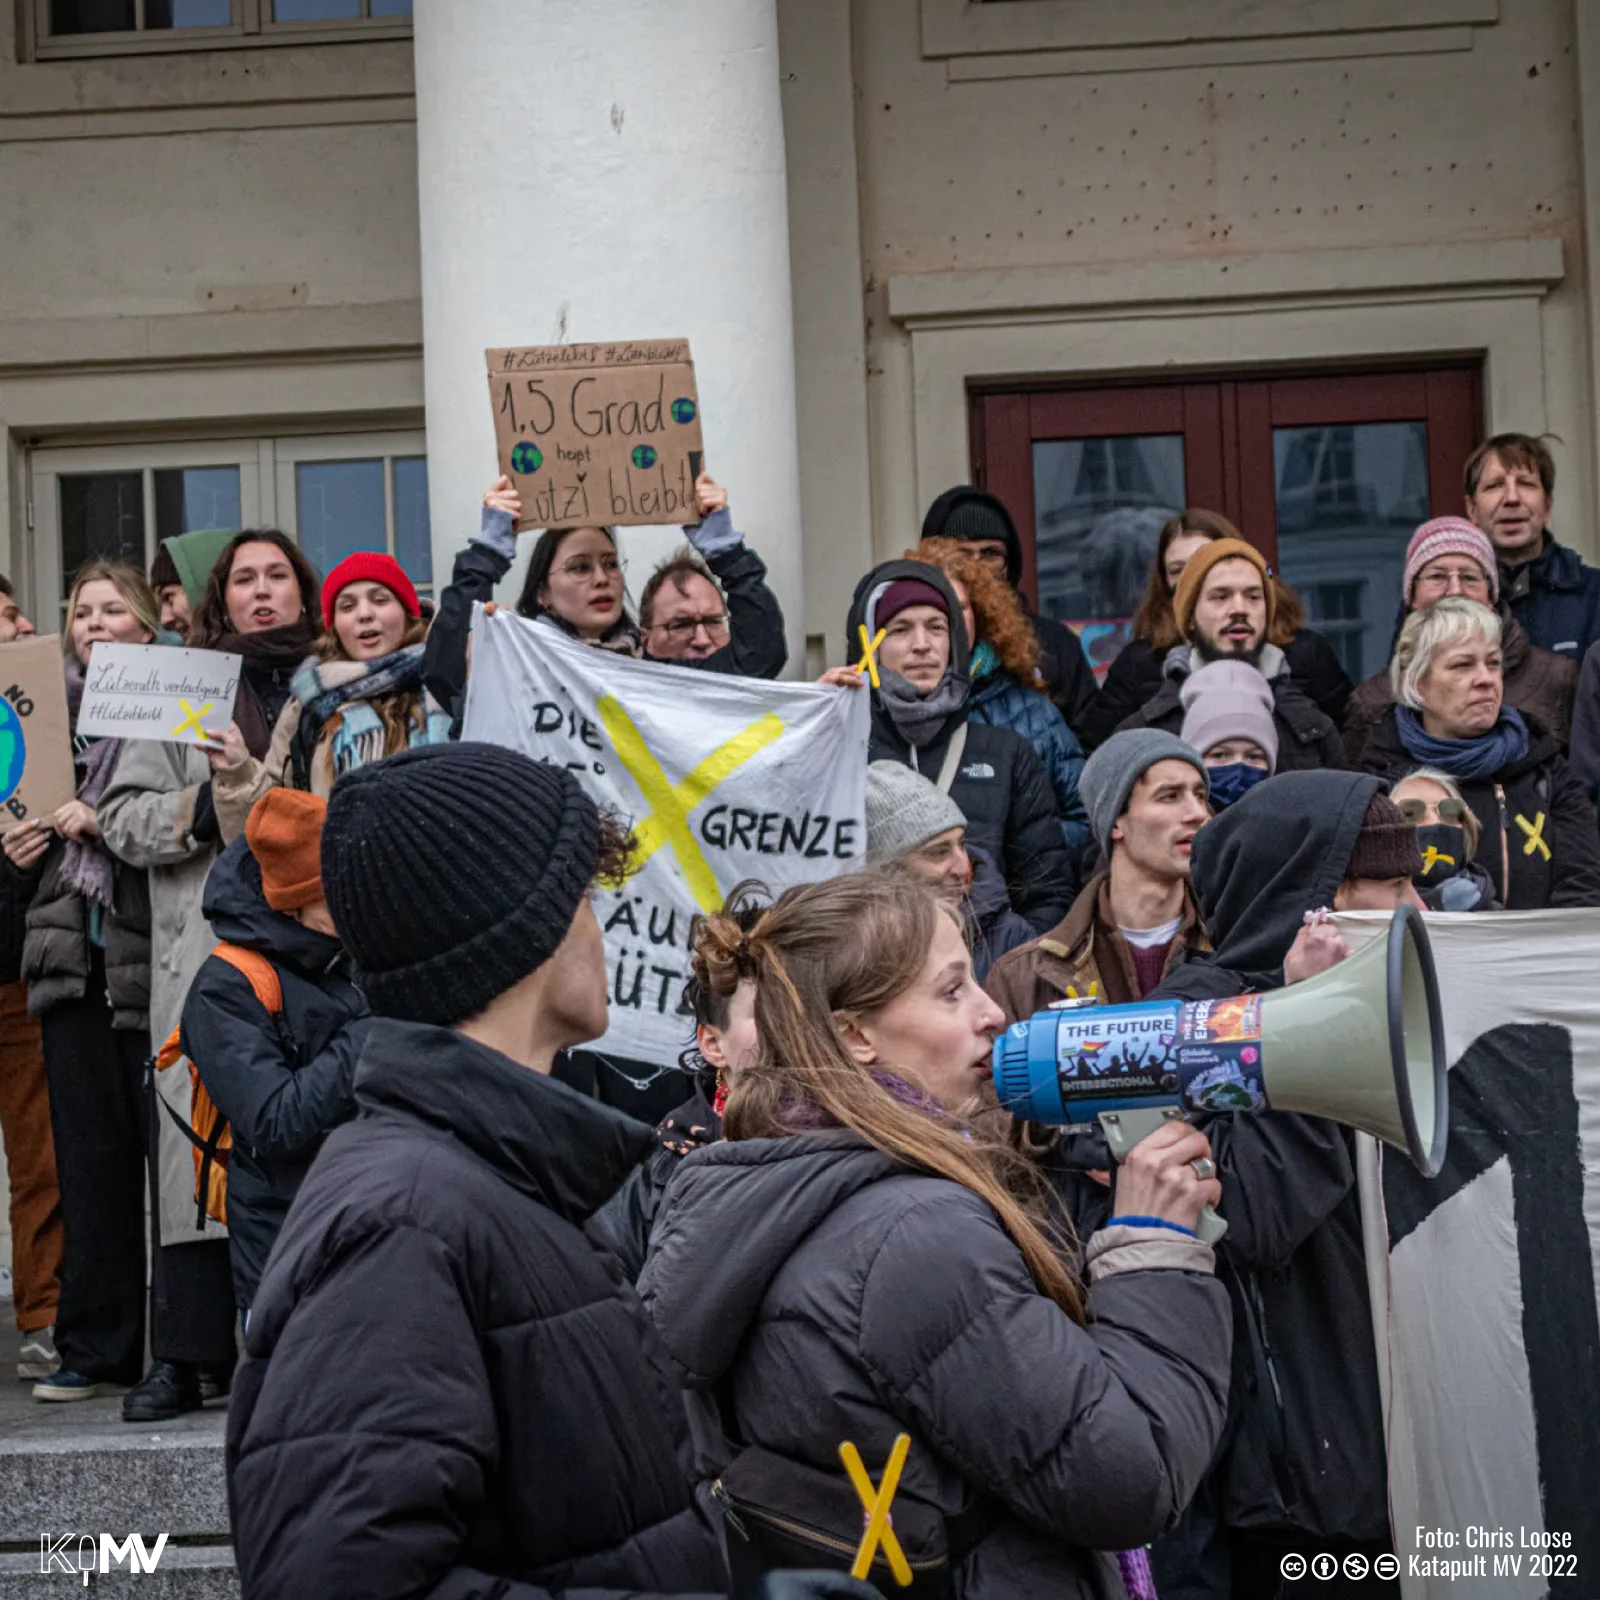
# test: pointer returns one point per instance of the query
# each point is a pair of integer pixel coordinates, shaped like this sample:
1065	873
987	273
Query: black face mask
1444	853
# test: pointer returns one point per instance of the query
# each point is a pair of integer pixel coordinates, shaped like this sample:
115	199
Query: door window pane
1349	497
390	8
188	498
1099	505
92	16
188	13
102	517
315	10
340	510
413	548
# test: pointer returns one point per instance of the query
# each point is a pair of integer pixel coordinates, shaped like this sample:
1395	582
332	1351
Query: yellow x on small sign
671	803
192	718
876	1503
1535	833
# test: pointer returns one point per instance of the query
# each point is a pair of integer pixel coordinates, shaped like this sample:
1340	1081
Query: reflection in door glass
413	548
188	498
1348	498
102	517
340	509
1098	507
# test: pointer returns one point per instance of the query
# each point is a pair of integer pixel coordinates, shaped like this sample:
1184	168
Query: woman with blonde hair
1007	689
1447	835
86	960
1135	676
859	1258
1537	837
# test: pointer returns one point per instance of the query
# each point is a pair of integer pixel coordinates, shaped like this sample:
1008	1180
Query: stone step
186	1572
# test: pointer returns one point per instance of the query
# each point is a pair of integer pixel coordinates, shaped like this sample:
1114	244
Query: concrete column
610	169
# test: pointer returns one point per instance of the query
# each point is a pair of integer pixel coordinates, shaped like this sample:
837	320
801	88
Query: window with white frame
109	27
333	493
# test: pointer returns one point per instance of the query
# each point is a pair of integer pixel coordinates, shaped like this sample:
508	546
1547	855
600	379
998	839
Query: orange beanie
285	834
1187	594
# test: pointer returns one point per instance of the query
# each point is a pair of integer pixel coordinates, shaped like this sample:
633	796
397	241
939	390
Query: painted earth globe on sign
683	410
644	455
13	750
526	458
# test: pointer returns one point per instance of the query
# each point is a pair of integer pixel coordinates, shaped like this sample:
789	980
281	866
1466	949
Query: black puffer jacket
1135	676
446	1389
55	946
827	1293
1538	837
1307	737
282	1082
1000	784
1308	1456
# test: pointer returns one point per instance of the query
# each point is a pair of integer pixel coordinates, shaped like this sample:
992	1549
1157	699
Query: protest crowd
303	1103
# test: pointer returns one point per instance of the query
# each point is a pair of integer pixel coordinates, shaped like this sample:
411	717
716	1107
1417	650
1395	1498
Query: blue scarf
1468	759
348	687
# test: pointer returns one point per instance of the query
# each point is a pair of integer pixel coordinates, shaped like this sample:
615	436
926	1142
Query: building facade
1286	258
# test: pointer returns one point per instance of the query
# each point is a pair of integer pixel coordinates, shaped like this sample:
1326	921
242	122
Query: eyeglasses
684	627
584	566
1469	580
1415	811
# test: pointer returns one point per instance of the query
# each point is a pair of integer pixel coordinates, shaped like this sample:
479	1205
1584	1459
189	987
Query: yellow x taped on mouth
670	803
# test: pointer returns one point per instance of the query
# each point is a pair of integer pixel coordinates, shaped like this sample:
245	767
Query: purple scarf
86	865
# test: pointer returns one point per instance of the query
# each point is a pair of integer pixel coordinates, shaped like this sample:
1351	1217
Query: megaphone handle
1124	1129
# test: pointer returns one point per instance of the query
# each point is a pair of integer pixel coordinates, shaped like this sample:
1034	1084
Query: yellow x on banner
192	719
1535	833
671	803
876	1503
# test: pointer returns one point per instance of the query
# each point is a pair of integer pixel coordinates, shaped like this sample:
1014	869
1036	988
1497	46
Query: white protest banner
157	691
722	778
1486	1280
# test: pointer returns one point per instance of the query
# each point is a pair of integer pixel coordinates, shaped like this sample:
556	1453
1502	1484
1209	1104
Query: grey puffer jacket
818	1291
55	947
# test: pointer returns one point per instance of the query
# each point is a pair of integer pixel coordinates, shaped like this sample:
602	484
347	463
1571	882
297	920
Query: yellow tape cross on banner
192	719
671	803
876	1503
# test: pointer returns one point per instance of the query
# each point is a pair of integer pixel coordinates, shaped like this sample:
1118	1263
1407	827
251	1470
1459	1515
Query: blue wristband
1149	1222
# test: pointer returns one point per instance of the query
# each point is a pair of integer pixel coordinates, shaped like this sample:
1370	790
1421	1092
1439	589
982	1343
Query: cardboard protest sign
1484	1279
723	778
595	434
36	774
157	691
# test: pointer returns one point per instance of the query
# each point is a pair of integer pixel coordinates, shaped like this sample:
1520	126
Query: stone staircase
79	1468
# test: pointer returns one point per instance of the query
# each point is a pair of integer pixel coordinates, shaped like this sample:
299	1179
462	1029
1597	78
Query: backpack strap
260	973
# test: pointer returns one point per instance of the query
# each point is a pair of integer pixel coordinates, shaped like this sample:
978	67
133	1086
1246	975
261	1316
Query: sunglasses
1415	811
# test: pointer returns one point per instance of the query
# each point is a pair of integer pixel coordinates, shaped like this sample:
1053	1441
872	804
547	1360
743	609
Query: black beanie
968	513
452	872
163	570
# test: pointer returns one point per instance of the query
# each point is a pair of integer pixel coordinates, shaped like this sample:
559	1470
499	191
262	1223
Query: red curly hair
1001	621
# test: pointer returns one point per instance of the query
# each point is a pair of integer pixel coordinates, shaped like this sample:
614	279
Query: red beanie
369	566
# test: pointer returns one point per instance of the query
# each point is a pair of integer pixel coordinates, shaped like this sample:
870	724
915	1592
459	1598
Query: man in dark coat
1307	1469
1223	607
446	1390
1510	484
980	523
282	1080
993	774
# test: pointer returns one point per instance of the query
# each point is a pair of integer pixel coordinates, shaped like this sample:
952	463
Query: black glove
810	1586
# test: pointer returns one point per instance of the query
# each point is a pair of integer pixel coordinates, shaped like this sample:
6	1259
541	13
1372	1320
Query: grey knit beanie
1111	772
903	811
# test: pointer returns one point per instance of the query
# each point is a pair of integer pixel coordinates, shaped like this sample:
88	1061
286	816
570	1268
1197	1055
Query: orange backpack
207	1129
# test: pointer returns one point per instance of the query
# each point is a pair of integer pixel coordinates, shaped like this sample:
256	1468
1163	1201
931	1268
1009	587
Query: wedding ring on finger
1204	1168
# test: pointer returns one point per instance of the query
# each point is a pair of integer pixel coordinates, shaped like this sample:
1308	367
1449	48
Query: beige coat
235	790
145	818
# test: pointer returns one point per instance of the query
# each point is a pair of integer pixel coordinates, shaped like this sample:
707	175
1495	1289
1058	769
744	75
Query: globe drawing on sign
13	750
683	410
526	458
644	455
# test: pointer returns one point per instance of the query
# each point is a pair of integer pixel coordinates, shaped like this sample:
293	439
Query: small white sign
157	691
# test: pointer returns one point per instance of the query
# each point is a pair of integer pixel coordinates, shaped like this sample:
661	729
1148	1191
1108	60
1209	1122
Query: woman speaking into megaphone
861	1258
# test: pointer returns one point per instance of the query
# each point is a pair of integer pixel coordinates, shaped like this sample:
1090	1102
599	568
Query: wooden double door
1327	474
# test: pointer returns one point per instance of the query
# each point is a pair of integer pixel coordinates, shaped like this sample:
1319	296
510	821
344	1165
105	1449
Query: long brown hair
851	945
211	619
996	610
1153	621
401	713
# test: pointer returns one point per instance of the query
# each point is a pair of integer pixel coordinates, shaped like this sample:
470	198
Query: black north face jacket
447	1391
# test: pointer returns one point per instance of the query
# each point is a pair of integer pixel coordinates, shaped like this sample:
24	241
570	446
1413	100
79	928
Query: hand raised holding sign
227	748
709	495
501	495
